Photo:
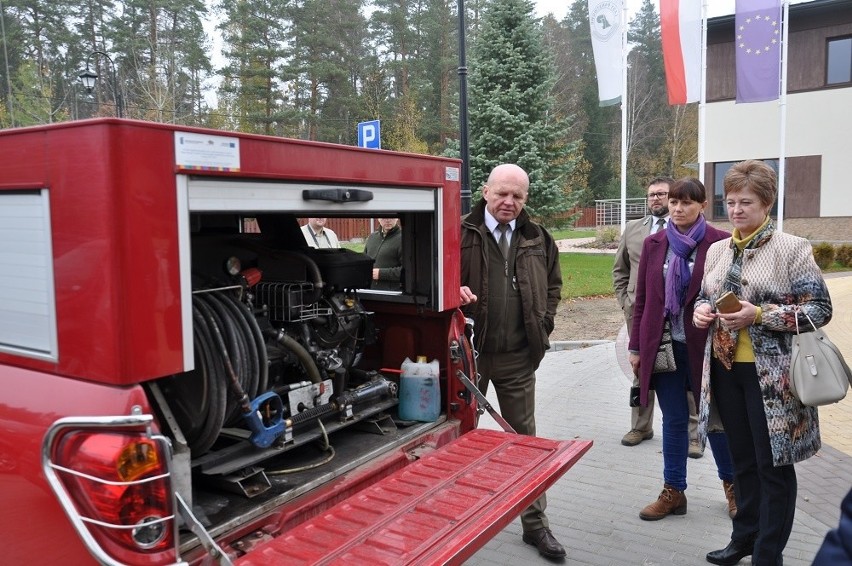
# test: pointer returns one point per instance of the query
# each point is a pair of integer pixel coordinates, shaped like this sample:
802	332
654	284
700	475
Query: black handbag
665	360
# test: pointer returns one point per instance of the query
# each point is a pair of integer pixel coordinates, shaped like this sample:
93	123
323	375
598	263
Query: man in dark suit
624	282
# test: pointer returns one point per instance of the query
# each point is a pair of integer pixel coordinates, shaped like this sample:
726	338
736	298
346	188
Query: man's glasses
657	195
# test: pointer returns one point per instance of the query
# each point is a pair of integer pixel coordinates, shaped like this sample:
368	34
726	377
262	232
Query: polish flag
681	29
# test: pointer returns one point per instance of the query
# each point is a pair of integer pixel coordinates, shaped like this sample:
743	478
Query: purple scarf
678	274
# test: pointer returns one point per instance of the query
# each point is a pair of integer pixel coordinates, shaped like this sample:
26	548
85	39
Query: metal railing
608	211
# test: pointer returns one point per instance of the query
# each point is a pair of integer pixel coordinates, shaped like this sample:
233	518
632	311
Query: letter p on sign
369	134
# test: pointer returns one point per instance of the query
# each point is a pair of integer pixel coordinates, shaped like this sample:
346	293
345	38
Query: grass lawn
354	246
589	275
572	234
836	268
583	275
586	275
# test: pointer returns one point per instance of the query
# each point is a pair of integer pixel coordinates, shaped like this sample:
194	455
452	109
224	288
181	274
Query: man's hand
467	296
375	274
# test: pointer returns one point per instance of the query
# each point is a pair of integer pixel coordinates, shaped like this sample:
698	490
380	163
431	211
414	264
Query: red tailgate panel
438	510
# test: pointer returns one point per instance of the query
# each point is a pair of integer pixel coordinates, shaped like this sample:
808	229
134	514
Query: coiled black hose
241	352
200	410
231	369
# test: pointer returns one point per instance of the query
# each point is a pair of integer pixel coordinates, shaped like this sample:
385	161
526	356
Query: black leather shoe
546	543
731	554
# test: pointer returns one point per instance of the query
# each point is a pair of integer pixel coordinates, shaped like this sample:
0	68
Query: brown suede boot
728	486
670	502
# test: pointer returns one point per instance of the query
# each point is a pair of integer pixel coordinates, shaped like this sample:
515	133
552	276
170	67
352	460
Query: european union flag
758	47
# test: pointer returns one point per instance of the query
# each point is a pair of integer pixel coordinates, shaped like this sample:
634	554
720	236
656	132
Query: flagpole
782	101
702	103
623	116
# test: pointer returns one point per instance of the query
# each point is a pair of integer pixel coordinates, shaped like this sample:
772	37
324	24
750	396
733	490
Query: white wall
818	123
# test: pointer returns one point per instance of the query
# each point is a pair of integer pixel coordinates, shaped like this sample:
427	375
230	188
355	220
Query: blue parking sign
369	134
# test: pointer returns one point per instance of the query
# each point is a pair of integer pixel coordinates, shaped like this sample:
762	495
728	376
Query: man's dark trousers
514	383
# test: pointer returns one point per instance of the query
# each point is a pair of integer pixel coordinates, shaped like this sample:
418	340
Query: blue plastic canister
419	390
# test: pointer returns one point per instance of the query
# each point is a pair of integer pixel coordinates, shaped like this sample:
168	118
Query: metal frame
79	522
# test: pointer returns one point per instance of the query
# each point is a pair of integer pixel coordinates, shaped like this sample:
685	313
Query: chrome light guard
80	523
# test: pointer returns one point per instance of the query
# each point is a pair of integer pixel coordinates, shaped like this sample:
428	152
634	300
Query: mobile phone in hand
728	303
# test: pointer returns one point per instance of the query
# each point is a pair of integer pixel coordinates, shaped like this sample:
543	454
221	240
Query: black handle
337	195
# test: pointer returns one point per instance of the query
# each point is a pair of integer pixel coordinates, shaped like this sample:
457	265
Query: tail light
112	476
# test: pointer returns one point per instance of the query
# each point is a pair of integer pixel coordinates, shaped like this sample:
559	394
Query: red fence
586	217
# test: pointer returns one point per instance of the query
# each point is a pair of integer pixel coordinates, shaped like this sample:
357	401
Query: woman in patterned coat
747	361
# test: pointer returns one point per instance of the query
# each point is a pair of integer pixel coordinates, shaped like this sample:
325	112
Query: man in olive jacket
385	247
511	286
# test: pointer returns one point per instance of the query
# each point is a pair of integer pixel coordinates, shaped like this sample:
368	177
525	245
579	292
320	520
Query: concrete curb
561	345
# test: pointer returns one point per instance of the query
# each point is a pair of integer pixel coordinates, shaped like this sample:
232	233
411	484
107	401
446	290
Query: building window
839	61
720	211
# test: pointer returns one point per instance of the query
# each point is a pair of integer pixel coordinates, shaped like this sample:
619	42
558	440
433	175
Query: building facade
818	183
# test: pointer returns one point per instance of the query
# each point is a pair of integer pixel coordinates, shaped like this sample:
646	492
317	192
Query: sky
560	7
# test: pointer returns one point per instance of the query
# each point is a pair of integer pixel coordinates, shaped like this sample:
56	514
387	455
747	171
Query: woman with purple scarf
670	272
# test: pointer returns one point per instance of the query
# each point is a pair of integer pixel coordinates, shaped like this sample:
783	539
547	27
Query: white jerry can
419	390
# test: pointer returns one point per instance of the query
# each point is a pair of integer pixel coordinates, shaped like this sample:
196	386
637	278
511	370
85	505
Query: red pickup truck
178	388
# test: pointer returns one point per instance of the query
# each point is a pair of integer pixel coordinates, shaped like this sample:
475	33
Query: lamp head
88	78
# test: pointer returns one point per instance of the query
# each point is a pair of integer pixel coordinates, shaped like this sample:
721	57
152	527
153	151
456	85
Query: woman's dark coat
648	312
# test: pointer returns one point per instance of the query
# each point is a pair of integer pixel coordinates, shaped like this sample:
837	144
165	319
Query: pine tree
39	65
159	49
661	138
256	35
327	39
511	117
396	27
437	71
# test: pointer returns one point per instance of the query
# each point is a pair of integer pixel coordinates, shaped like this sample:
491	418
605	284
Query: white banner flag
605	23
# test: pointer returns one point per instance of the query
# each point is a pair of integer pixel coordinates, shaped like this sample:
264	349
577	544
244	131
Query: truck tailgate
439	509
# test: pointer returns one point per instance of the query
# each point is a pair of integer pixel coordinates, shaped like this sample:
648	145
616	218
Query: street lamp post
464	148
89	78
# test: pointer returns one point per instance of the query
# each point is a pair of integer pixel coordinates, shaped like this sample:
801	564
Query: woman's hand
634	362
740	319
703	316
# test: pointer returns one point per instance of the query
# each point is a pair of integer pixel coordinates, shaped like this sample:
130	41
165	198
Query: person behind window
318	236
385	247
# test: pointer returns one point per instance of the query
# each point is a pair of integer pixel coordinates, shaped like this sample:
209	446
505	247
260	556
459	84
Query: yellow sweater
745	350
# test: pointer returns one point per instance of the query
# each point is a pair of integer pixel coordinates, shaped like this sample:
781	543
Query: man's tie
504	242
661	225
